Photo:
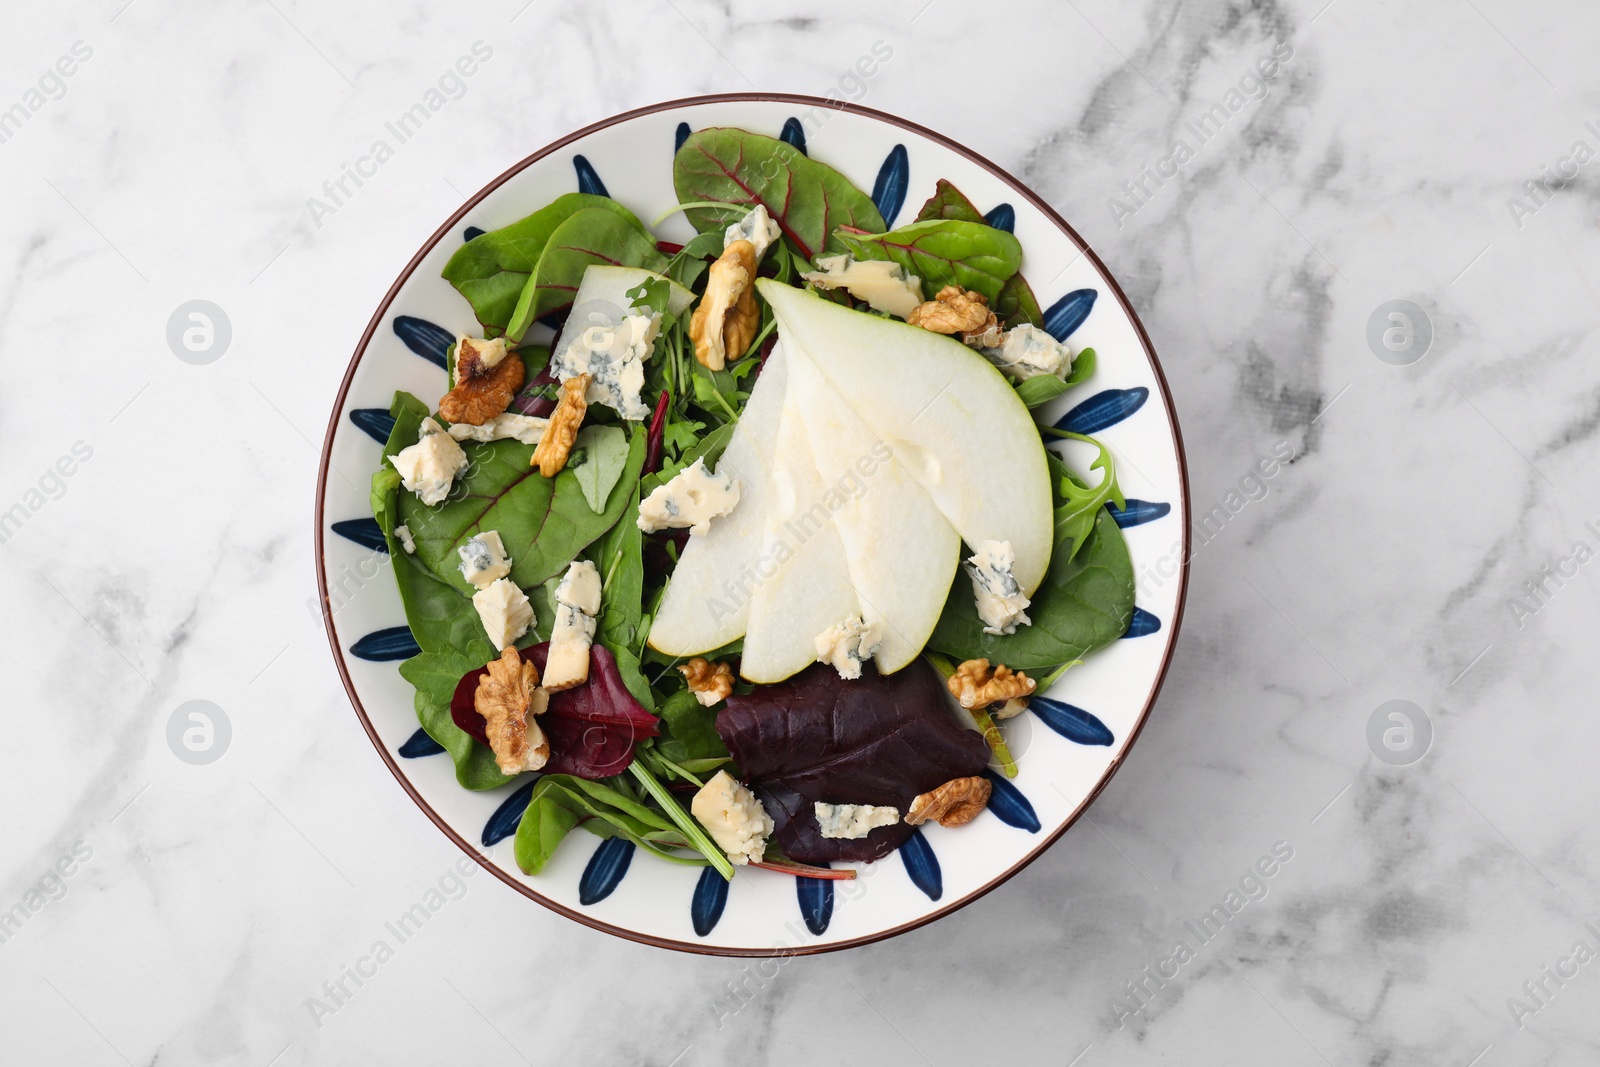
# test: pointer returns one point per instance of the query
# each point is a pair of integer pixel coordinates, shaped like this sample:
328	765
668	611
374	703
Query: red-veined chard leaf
945	252
492	269
875	740
948	202
1016	303
808	199
588	237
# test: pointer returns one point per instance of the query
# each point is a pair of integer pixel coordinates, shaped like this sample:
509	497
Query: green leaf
492	269
435	675
1046	387
543	522
545	823
588	237
1017	305
1085	603
806	198
687	266
605	454
948	202
946	252
1081	503
691	730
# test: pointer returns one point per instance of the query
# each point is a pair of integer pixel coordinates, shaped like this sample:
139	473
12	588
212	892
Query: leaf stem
1050	679
997	741
691	830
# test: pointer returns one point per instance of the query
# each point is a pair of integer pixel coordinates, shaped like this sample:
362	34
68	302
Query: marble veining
1425	534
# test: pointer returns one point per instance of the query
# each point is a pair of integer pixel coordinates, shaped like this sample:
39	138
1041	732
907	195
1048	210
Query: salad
746	549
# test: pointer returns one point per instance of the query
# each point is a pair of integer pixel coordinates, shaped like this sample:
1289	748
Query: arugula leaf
588	237
1046	387
1075	516
1085	603
605	454
806	198
948	202
687	266
492	269
945	252
543	522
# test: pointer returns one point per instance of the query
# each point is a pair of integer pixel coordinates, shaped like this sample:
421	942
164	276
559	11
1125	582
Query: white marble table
156	547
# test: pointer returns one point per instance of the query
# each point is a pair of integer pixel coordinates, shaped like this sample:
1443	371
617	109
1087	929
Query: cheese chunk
1001	604
1029	352
429	467
613	356
577	604
484	559
733	816
508	426
757	227
852	821
692	498
883	284
403	535
847	645
490	351
505	612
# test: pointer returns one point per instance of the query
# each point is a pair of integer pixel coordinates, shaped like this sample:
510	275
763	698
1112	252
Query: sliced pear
804	583
605	289
901	551
707	602
950	417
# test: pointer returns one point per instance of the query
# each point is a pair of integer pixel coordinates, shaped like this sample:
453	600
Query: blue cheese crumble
692	498
612	353
1001	605
508	425
429	467
1029	352
504	611
733	816
853	821
577	604
757	227
847	645
884	285
484	559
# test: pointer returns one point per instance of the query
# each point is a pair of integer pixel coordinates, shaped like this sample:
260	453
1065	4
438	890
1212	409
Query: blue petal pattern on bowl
1002	217
420	744
588	180
922	865
506	818
816	902
1139	512
795	134
1068	313
427	340
605	870
364	532
376	423
1142	624
1103	409
394	642
1009	805
710	897
469	233
680	135
1072	722
889	191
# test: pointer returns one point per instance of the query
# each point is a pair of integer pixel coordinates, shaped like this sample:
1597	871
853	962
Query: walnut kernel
556	441
727	317
708	681
956	311
975	685
482	391
508	698
955	803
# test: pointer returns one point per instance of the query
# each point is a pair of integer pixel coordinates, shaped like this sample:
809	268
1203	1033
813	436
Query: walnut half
708	681
483	389
955	803
975	685
556	441
508	698
727	317
964	312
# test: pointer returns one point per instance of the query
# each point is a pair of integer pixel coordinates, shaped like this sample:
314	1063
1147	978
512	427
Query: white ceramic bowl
1063	747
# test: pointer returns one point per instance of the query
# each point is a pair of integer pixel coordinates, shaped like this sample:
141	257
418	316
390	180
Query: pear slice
804	585
949	416
901	552
605	290
707	601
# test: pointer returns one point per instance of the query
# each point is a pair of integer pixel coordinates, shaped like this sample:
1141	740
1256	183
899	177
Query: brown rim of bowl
450	225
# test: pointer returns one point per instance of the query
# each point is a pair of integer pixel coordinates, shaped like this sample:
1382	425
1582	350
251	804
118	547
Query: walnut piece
708	681
964	312
556	441
975	685
481	392
727	317
955	803
508	698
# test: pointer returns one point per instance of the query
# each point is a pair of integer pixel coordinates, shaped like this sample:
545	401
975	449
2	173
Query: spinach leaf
435	674
588	237
945	252
543	522
545	823
691	732
948	202
1046	387
1085	603
605	454
560	802
806	198
491	270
